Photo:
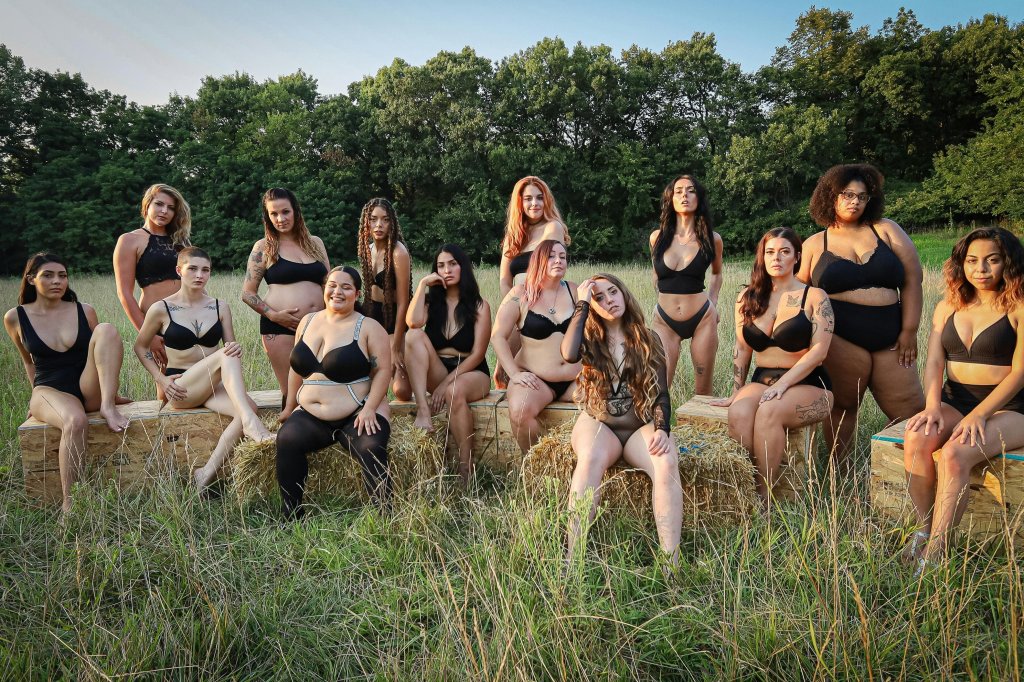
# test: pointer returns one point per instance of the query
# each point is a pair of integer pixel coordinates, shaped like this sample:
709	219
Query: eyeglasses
862	197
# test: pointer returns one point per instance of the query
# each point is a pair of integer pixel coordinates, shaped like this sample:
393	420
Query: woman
193	324
871	272
540	309
683	248
977	338
789	326
71	359
294	264
387	268
532	217
623	389
446	346
336	393
148	257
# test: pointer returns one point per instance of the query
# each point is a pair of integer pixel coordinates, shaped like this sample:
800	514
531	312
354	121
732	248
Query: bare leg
741	414
596	449
465	389
400	381
279	351
425	372
666	489
63	411
220	403
920	467
670	341
100	379
524	405
849	366
896	389
703	347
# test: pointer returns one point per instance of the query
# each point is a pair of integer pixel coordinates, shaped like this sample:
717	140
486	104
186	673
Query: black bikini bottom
965	397
171	371
558	387
769	375
268	327
375	311
685	329
451	364
872	327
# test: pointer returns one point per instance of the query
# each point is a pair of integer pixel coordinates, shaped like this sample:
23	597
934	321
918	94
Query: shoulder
743	290
89	311
942	310
484	307
891	231
654	237
515	294
553	229
717	239
260	245
371	328
320	243
400	251
815	241
131	241
816	296
11	317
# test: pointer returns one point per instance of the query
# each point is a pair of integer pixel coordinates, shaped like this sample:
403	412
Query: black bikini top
519	264
687	280
180	337
158	259
792	336
345	364
993	346
462	340
285	271
836	275
378	279
537	326
42	355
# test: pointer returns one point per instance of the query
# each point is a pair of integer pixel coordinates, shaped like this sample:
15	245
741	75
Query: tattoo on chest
793	299
173	307
197	326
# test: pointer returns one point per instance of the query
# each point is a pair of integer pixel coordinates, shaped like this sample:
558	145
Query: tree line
940	112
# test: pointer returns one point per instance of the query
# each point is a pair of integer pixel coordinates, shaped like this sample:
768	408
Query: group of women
824	320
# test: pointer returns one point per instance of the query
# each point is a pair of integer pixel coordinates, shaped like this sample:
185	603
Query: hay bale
414	456
716	474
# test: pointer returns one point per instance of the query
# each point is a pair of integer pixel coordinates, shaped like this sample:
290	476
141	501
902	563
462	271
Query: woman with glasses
872	274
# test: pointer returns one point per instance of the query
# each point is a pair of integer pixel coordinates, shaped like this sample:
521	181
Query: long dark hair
667	223
469	292
759	291
960	292
364	239
302	236
28	293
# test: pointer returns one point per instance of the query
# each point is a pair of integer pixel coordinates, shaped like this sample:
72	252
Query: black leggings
303	433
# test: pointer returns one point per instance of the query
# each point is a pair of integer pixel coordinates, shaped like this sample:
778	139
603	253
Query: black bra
378	279
792	335
993	346
179	337
462	340
537	326
158	260
835	274
687	280
342	365
519	264
285	271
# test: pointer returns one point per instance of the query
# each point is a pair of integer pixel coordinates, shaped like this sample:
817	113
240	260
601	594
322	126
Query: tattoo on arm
738	375
256	303
827	316
149	355
373	361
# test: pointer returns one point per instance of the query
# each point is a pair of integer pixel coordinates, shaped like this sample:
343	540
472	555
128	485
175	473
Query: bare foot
116	421
422	420
201	478
121	400
255	430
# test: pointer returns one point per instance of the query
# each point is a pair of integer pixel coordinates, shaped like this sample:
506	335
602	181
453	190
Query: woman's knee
106	332
953	459
76	423
414	338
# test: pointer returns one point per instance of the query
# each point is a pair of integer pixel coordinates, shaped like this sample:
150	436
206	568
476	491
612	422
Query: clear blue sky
147	50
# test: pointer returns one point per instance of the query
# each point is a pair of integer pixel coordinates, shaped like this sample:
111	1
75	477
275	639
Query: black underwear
872	327
268	327
685	329
965	397
452	363
769	375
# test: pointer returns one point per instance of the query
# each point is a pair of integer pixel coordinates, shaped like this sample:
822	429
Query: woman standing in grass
148	256
623	389
293	263
72	361
683	248
193	324
337	393
789	326
387	270
977	339
539	309
446	345
871	272
532	217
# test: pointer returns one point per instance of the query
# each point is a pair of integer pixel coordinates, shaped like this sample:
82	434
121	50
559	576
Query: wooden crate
996	488
794	471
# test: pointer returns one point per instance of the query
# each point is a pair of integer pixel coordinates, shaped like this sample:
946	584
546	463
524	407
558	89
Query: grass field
163	586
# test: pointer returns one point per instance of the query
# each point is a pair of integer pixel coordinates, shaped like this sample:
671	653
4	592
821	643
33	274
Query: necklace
551	309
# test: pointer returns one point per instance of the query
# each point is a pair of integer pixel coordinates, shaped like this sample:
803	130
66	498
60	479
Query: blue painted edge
1012	456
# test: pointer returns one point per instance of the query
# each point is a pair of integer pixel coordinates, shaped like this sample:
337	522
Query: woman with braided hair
387	271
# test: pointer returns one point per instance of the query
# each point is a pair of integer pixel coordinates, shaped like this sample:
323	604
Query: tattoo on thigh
270	337
698	370
814	411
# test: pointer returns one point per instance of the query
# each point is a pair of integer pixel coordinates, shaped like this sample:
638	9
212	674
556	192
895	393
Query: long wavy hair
834	180
180	228
960	292
270	235
469	292
644	356
517	229
365	239
28	293
667	222
537	271
754	301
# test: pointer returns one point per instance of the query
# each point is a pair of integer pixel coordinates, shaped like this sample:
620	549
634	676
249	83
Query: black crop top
836	275
54	367
462	340
792	335
686	280
179	337
344	365
537	326
993	346
572	347
379	280
158	260
285	271
519	264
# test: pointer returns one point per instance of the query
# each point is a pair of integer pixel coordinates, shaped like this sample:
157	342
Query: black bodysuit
59	370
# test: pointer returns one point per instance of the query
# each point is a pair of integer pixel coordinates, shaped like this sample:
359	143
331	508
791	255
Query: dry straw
716	474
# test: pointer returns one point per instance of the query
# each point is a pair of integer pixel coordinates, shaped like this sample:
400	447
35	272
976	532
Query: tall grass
160	585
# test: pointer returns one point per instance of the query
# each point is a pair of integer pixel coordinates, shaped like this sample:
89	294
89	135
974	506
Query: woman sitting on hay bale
193	324
446	345
537	373
623	388
977	338
789	325
341	366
